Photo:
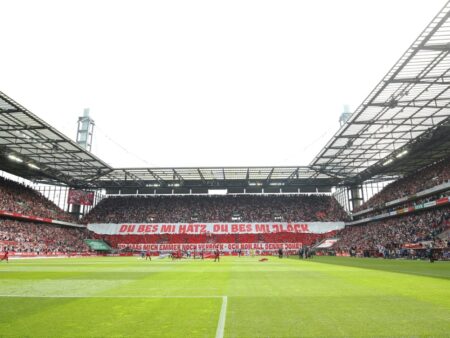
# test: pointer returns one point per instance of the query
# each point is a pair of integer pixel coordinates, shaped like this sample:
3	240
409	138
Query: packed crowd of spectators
17	236
408	204
394	233
16	197
423	179
245	208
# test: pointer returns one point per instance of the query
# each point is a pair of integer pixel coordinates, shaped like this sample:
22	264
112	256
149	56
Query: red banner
80	197
211	246
444	200
213	228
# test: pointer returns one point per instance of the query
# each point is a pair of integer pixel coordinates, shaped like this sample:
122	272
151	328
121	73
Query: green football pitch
238	297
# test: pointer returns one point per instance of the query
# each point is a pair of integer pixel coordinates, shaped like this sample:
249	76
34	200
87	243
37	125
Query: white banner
213	228
226	247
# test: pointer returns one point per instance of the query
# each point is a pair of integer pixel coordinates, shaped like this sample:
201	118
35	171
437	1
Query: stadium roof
411	101
31	148
219	177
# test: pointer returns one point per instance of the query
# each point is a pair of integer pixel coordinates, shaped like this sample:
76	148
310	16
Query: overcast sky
203	83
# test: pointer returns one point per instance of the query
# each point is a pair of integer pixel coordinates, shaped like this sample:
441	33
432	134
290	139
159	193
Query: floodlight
15	158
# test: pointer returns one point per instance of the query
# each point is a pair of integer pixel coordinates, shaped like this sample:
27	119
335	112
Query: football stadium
356	243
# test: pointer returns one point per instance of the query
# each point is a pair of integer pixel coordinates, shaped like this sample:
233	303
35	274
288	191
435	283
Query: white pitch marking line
222	317
106	296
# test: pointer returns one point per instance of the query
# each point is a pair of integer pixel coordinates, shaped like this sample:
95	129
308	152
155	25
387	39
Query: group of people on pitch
179	255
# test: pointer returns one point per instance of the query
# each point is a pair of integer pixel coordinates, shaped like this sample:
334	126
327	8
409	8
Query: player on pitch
217	255
5	257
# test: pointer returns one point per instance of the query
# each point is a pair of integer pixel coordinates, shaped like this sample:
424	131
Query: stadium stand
18	198
24	237
40	238
423	179
248	208
389	237
251	208
409	204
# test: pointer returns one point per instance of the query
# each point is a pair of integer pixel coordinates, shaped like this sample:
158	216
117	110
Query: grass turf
327	296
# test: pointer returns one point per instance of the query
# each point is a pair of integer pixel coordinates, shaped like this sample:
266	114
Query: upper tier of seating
411	184
245	208
18	198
